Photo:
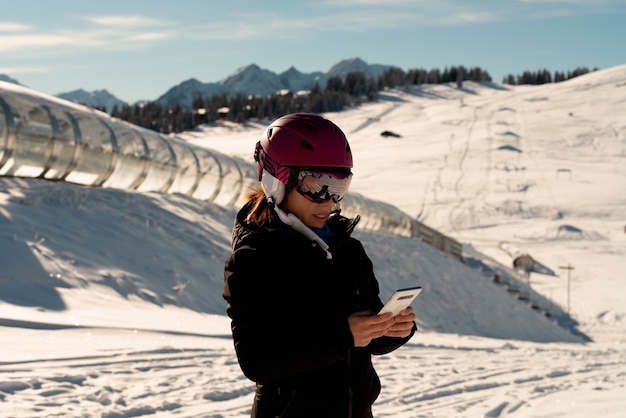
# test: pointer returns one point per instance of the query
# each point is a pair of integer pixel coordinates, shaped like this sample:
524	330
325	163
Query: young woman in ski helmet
301	291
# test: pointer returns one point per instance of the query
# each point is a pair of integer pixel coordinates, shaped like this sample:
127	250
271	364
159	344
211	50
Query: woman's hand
403	324
366	326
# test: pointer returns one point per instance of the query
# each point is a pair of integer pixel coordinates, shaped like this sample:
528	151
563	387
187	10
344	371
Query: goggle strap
266	163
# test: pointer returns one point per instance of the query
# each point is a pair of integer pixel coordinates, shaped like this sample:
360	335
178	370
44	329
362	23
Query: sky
137	50
110	300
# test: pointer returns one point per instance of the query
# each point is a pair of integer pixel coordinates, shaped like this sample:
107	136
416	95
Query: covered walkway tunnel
48	138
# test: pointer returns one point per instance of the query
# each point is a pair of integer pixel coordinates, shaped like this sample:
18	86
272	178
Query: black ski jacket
289	306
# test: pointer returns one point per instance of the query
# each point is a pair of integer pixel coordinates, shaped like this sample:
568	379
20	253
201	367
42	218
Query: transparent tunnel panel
249	175
95	158
132	162
188	168
63	145
210	175
33	132
162	163
231	184
4	132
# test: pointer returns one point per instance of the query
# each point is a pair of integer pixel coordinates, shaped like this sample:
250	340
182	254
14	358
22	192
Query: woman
301	291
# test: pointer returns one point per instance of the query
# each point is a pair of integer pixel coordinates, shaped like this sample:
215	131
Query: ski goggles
320	187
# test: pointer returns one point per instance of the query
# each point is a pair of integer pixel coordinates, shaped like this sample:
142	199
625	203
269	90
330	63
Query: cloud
471	17
370	2
458	12
148	36
23	70
13	27
390	18
22	43
111	32
577	2
125	21
332	16
117	32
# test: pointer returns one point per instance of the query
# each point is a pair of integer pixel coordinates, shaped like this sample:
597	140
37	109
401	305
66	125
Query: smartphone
401	299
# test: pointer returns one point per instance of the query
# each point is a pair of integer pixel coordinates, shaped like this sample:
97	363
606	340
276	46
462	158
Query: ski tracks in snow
492	381
189	382
446	377
471	192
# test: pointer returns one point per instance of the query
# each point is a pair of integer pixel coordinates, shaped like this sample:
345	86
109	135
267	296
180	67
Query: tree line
338	94
544	76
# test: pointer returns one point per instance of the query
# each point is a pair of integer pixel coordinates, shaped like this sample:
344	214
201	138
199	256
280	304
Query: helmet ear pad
273	188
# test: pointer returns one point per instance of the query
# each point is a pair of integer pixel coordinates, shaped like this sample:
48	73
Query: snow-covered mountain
296	80
253	80
353	65
188	90
96	98
247	80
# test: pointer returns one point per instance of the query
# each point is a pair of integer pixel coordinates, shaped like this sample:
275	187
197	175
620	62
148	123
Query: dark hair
261	212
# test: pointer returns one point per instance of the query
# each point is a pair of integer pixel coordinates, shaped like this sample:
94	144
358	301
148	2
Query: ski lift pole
569	268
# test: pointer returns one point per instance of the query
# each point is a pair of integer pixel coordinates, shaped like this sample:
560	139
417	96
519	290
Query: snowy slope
169	250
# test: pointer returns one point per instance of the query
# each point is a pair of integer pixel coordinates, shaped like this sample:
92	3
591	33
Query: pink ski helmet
302	140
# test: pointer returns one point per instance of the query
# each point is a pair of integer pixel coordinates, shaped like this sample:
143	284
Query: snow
110	301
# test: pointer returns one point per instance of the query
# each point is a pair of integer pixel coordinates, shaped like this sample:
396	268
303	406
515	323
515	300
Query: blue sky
138	49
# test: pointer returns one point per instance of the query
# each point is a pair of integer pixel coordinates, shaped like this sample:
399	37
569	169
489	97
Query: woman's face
313	215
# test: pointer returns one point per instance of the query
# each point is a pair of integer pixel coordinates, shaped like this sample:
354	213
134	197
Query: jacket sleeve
384	345
270	346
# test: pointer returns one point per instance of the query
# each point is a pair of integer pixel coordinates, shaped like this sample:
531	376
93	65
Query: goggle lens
321	187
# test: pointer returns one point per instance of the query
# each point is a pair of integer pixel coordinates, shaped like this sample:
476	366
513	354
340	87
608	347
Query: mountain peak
354	65
291	71
192	82
4	77
250	68
97	98
254	80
